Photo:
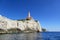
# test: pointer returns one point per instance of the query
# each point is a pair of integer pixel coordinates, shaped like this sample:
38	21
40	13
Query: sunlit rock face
29	24
6	23
23	25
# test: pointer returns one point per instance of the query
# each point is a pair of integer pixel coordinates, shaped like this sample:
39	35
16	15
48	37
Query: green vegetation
36	21
14	30
43	29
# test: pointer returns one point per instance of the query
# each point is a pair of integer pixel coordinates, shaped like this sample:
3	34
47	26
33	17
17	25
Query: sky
47	12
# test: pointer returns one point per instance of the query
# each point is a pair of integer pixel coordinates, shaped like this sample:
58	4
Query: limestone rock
23	25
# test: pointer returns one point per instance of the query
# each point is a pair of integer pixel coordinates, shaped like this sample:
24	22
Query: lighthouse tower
29	17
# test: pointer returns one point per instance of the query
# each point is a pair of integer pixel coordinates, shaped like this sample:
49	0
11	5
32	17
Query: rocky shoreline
16	30
12	32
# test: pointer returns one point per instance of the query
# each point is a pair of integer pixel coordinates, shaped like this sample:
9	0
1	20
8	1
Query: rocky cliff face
29	24
23	25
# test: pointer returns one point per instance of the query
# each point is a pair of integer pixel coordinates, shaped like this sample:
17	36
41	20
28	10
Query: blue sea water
31	36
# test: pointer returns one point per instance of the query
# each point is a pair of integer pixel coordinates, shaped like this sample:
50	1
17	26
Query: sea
31	36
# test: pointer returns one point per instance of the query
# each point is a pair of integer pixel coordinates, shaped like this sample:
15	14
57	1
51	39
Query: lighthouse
29	16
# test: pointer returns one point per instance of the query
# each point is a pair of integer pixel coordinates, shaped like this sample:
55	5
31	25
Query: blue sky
46	11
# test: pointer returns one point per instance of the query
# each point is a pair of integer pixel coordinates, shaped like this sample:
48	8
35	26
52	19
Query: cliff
27	25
